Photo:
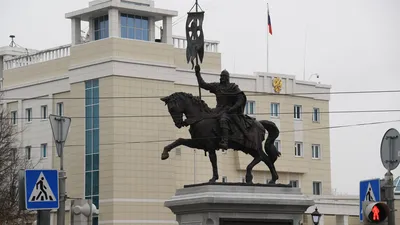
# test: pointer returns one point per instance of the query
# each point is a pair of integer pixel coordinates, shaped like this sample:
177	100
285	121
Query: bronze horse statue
206	134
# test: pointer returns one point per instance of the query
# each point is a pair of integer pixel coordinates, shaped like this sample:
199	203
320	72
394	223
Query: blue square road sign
41	189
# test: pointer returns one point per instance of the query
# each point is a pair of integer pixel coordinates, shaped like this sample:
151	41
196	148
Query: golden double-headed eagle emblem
277	84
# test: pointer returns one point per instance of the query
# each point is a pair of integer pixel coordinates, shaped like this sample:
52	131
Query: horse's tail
273	134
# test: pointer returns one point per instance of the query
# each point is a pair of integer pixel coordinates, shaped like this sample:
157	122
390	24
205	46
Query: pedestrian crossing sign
370	191
41	189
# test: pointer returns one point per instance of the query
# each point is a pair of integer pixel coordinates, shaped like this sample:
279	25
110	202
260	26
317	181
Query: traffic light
375	212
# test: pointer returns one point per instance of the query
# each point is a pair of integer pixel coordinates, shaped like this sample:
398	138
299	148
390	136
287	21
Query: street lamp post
316	216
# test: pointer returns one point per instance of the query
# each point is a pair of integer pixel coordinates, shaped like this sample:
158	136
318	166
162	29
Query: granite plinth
230	203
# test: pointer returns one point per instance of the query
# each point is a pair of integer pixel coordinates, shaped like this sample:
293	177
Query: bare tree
12	160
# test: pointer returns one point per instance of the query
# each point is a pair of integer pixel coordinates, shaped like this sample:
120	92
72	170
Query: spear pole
197	58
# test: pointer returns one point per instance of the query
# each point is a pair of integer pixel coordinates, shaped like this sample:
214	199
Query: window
43	112
92	141
29	115
298	149
14	117
277	144
274	109
250	107
134	27
28	152
317	188
43	150
297	111
294	183
101	27
316	115
316	151
60	109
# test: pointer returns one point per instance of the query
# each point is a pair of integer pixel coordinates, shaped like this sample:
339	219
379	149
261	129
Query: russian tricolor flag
269	23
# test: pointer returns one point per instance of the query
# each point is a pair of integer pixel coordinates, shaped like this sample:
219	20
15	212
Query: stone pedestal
237	204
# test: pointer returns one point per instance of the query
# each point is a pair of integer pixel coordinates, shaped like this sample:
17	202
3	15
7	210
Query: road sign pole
390	197
63	196
389	181
62	176
390	157
60	143
43	217
60	126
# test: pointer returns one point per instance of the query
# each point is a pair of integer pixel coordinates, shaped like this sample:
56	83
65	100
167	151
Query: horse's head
175	109
181	103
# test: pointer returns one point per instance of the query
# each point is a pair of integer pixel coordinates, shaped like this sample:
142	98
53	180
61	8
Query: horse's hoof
213	180
164	155
272	182
249	179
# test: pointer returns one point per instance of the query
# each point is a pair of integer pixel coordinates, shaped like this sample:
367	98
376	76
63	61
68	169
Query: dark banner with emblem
194	37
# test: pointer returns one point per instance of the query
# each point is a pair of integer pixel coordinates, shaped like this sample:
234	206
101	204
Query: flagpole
305	54
267	39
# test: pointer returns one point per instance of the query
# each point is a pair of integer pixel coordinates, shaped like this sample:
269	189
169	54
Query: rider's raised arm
207	86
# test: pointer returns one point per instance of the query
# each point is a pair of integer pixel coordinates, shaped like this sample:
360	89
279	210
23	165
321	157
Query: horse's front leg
213	159
180	141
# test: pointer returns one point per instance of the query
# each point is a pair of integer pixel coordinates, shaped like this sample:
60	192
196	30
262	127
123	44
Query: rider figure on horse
231	102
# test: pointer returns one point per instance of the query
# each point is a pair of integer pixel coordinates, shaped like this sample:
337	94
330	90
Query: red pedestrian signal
376	212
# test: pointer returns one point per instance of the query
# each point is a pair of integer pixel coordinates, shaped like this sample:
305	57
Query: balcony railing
209	46
64	51
42	56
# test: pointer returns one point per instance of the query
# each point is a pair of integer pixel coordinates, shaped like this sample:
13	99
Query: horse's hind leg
249	168
180	141
272	169
273	154
274	174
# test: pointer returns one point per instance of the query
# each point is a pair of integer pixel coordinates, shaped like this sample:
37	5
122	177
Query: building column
152	29
20	123
76	31
91	30
342	220
113	23
167	30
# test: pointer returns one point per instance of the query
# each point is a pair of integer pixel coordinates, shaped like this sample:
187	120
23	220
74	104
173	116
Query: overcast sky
353	46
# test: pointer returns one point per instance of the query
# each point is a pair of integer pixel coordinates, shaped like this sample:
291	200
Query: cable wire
288	131
254	114
255	94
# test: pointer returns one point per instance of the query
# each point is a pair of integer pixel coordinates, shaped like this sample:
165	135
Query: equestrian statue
224	127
